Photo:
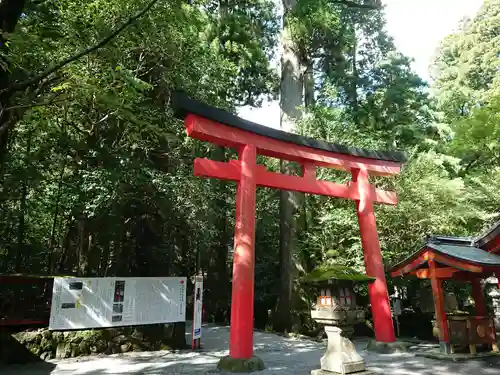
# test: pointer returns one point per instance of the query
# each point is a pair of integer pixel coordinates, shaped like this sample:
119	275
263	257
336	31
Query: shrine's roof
467	253
460	257
488	240
489	235
452	240
184	105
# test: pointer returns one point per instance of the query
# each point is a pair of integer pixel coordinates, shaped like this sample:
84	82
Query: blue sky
417	27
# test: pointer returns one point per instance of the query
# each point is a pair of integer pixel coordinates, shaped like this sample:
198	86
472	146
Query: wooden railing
25	300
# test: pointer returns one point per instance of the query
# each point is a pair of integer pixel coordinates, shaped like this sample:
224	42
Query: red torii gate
249	139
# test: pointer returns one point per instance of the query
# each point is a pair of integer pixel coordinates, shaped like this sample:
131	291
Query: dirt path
281	356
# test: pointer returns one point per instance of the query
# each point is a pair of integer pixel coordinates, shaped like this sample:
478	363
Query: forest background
96	173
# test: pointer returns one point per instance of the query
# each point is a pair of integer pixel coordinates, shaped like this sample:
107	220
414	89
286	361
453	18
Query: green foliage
335	272
98	176
245	33
369	97
467	89
431	201
466	68
476	136
107	170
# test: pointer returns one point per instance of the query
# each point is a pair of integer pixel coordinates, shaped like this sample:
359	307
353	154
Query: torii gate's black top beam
183	105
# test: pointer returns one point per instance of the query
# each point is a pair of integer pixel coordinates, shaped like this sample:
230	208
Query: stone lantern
493	291
336	309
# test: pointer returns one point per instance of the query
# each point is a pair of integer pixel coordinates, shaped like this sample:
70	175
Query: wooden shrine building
490	240
445	258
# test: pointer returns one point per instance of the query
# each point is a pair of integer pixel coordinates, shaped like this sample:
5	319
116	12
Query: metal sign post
198	311
396	310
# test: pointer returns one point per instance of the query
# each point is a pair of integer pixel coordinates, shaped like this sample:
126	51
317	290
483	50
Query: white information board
98	302
198	307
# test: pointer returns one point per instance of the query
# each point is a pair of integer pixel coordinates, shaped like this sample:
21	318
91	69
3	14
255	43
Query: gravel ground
282	356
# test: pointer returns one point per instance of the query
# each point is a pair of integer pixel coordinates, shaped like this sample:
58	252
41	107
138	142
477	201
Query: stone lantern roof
331	274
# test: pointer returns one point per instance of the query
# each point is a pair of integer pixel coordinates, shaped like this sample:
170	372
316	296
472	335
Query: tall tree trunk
66	247
353	87
104	259
10	12
21	227
110	268
291	89
309	84
84	245
22	209
52	241
309	101
218	276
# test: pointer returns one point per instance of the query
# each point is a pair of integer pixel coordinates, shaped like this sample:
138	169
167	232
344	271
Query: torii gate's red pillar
241	330
379	296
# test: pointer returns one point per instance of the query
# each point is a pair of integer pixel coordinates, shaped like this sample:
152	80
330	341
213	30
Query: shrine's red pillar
379	297
477	294
241	331
439	308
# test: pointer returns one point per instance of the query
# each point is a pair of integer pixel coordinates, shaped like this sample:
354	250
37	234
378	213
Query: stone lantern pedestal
336	309
493	290
341	356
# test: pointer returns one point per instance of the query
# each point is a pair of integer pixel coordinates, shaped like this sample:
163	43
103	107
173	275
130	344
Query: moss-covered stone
335	272
47	335
26	337
84	348
125	348
75	352
98	346
46	344
115	349
63	350
34	348
120	339
229	364
75	339
46	356
58	337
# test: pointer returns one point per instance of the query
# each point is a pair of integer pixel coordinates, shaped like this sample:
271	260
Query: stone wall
44	344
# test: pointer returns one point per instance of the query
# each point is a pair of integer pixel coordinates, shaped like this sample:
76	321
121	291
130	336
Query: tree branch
352	4
34	105
473	161
29	82
39	104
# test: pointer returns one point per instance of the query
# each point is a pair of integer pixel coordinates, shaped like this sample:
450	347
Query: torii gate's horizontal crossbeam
232	171
223	135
